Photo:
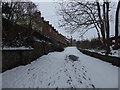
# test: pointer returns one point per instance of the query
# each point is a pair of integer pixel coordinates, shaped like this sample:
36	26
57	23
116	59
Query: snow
16	48
103	74
115	53
55	70
0	81
38	40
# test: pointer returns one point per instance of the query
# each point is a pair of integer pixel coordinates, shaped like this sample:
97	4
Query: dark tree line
18	12
25	14
95	43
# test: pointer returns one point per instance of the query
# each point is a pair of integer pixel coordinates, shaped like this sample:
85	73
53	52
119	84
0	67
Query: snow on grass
115	53
55	70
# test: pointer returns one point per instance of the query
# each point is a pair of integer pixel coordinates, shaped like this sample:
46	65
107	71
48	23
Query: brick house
50	32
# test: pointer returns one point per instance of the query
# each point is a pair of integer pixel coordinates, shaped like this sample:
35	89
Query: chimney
48	22
42	18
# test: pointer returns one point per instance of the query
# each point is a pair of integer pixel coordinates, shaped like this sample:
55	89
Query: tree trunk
107	28
117	25
101	25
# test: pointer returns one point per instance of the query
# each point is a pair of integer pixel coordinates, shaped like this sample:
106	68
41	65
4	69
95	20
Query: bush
59	49
90	44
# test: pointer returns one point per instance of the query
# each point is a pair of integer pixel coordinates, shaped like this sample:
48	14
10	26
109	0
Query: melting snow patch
73	57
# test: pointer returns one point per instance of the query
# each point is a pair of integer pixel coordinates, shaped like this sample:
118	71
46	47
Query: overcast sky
49	12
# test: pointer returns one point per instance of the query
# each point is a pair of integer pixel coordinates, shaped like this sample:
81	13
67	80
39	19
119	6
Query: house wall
48	30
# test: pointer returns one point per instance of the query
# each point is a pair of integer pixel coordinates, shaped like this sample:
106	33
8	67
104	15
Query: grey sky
49	12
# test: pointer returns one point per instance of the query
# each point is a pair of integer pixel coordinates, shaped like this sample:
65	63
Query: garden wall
113	60
15	58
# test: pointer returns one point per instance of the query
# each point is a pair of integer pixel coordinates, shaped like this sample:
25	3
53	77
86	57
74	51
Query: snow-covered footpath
55	70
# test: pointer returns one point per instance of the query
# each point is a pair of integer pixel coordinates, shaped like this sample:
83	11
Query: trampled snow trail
55	70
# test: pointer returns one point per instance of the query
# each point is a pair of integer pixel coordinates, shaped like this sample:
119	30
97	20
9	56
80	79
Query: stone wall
15	58
113	60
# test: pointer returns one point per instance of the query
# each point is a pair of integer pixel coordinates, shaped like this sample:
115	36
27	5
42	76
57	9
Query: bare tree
79	16
117	25
20	13
82	16
31	9
106	25
12	10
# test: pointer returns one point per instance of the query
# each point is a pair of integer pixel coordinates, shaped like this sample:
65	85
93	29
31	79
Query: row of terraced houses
40	29
46	29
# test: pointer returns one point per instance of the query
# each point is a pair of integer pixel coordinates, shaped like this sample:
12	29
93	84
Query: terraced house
35	27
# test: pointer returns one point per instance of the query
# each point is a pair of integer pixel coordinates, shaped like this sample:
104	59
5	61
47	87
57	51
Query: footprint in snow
31	69
75	71
79	75
51	83
73	65
69	82
84	74
82	68
28	71
34	76
70	77
57	73
81	82
65	70
48	84
75	68
45	72
92	85
84	77
58	77
60	70
41	82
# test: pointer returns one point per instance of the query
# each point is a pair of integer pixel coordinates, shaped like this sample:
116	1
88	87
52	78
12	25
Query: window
50	30
41	29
